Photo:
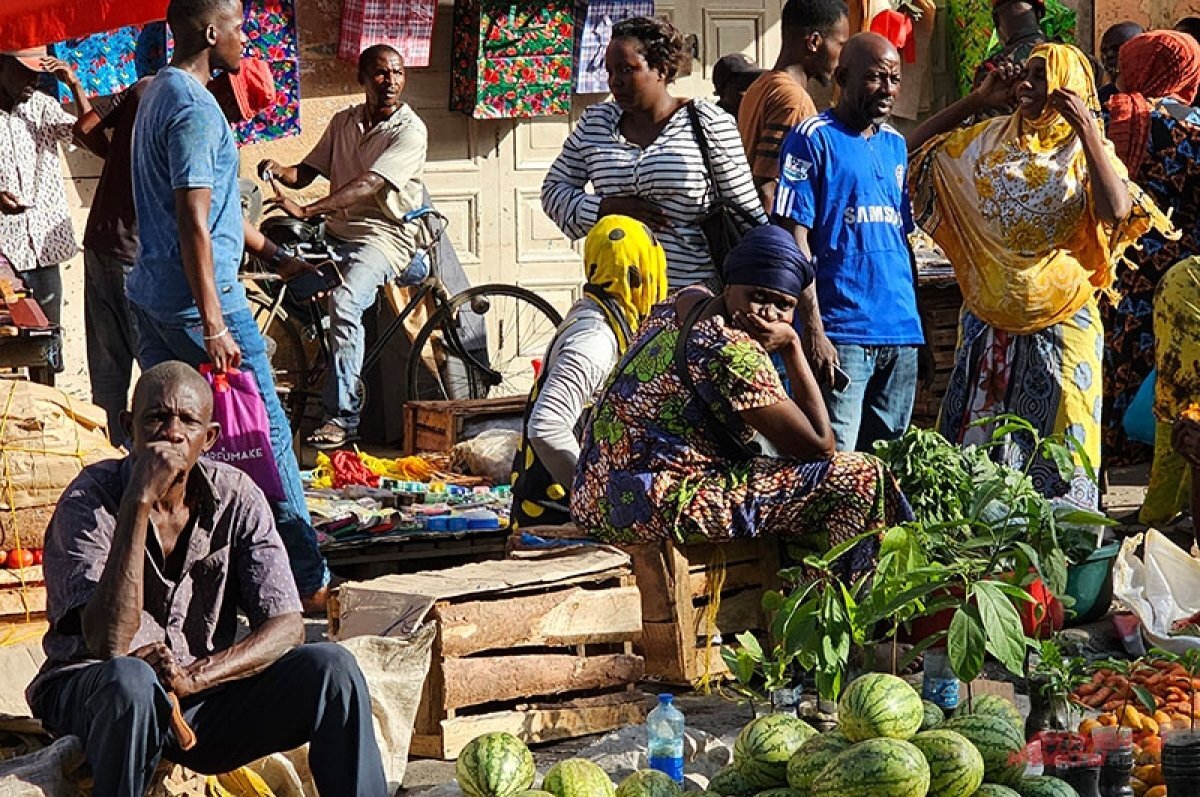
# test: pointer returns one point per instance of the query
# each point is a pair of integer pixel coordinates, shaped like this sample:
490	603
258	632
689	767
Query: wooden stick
183	732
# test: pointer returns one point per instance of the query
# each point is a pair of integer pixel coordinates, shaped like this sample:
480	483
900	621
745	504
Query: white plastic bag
1160	588
489	455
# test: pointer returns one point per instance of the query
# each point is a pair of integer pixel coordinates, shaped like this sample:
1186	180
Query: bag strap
702	142
716	430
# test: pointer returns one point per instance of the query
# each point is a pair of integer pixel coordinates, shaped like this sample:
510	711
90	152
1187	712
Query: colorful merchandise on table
407	26
592	35
512	59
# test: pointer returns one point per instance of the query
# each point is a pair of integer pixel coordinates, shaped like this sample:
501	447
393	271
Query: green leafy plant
1057	674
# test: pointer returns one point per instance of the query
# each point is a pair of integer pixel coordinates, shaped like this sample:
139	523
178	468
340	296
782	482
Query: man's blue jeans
365	270
158	342
878	403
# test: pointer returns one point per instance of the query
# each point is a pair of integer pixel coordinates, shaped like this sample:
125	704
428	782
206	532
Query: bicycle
478	343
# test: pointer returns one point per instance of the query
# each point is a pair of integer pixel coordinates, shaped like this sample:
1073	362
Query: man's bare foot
316	603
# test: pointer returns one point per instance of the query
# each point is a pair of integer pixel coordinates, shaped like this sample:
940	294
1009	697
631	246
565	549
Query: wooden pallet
22	595
438	425
550	663
941	304
675	582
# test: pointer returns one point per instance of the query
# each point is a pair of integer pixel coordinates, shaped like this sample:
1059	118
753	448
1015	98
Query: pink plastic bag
245	441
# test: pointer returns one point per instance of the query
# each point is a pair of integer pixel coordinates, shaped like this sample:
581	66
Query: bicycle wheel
481	344
286	349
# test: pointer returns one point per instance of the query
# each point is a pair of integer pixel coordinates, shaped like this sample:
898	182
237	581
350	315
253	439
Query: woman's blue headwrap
768	257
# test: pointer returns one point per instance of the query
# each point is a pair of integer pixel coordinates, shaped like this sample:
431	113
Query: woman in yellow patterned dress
1032	210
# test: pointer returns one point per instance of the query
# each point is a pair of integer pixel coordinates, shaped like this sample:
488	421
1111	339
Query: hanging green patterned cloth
973	40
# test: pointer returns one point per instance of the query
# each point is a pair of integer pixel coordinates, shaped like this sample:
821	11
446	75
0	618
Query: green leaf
1013	591
904	599
922	646
1005	637
965	643
773	601
836	551
1063	460
750	644
1146	698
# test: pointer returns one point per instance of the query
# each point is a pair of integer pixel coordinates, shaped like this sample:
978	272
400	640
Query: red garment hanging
31	23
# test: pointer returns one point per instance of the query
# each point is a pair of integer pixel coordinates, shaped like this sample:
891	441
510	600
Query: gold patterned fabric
1008	200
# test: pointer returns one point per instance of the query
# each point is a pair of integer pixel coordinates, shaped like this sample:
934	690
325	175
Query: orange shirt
771	107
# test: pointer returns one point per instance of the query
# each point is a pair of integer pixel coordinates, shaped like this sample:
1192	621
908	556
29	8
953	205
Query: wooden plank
548	619
736	613
492	679
666	651
702	659
738	576
650	571
539	723
18	602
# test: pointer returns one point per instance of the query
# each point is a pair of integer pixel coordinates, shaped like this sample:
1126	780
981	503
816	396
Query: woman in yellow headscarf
1032	210
626	274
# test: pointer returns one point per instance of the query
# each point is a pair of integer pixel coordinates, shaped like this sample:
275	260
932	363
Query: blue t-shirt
182	140
851	192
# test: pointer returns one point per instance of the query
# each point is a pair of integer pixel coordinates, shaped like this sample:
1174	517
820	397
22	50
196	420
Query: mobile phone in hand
841	379
312	284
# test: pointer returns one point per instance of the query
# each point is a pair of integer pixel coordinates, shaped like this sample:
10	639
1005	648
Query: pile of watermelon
889	743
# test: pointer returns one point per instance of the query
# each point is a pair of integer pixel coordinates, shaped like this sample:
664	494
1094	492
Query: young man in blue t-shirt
843	193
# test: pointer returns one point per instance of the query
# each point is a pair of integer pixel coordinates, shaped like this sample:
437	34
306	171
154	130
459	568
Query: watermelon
763	748
731	783
533	793
998	741
1045	786
878	704
495	765
648	783
994	790
955	766
995	706
875	768
781	792
576	777
934	716
807	762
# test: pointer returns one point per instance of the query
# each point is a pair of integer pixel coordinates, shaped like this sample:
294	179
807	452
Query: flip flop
330	435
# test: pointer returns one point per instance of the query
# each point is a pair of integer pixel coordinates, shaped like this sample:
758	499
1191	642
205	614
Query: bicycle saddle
290	233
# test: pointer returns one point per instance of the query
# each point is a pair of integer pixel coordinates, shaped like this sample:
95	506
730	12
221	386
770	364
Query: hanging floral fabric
109	63
512	59
405	25
592	35
271	36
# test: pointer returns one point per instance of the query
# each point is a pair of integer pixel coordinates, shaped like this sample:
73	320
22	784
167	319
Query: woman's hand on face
636	208
1073	108
996	90
771	335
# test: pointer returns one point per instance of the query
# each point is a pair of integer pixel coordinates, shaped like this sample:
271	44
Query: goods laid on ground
977	753
539	646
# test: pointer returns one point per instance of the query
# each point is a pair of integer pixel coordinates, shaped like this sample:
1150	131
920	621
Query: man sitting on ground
148	561
373	155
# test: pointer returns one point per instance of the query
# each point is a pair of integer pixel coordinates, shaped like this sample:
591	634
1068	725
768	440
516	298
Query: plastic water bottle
664	729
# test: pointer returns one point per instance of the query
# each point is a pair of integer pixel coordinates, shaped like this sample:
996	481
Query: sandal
330	435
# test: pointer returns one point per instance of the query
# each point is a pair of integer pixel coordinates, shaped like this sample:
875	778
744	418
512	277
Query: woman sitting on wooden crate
626	272
669	453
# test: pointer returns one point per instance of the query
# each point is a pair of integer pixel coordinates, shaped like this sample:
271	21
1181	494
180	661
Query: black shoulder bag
724	221
717	430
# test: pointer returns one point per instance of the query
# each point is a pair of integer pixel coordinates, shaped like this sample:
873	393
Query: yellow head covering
1009	202
626	272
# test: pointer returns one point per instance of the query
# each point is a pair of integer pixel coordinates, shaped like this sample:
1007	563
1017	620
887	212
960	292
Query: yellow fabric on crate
1008	201
623	261
404	468
241	782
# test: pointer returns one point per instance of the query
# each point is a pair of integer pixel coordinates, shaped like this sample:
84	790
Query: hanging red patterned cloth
31	23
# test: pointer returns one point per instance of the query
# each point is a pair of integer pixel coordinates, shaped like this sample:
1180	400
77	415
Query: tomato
37	556
18	559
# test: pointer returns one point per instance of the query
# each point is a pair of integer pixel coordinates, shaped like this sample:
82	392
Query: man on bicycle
373	155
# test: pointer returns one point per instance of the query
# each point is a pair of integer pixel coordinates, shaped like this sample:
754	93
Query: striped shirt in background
771	107
670	173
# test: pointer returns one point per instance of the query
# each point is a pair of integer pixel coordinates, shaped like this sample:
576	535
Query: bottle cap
666	698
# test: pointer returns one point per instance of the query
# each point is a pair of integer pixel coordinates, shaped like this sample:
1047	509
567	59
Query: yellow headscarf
626	272
1008	200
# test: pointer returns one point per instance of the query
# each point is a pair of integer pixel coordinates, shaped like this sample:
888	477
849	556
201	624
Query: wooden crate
552	663
22	595
675	584
941	303
438	425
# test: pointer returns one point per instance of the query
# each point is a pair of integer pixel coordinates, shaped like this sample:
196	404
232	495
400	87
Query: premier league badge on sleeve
795	169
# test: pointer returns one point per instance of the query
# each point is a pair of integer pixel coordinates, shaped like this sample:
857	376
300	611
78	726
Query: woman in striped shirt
642	158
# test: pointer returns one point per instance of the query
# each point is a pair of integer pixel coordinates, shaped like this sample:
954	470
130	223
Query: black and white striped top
670	173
